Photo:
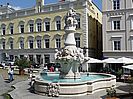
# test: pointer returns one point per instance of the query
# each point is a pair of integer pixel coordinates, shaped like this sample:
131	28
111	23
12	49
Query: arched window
46	41
3	43
3	29
31	42
21	27
21	43
58	23
11	28
38	25
78	21
31	26
11	43
57	41
38	42
47	24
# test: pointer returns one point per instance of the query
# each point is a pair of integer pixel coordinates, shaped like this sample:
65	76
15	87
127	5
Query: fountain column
70	56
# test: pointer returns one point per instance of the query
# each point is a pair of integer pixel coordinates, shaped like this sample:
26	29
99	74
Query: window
132	23
47	58
11	29
31	44
38	59
11	44
21	44
31	27
132	3
46	42
31	58
58	43
77	39
132	44
3	45
58	25
22	28
4	30
39	27
116	45
116	4
78	23
116	25
21	56
47	26
11	57
39	43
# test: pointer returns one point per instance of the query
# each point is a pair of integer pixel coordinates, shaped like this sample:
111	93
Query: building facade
118	28
36	32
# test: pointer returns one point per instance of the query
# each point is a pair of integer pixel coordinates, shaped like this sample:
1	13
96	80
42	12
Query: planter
112	98
21	71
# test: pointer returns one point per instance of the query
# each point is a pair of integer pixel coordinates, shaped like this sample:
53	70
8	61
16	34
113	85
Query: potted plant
111	93
22	63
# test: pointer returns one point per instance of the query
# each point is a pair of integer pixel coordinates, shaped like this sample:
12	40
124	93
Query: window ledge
116	16
117	36
115	30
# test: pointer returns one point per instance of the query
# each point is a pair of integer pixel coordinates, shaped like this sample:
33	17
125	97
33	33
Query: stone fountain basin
76	88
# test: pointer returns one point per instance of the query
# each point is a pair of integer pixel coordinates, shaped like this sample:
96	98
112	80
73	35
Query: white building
117	28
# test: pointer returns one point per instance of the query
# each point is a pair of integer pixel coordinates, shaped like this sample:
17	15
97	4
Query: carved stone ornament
53	89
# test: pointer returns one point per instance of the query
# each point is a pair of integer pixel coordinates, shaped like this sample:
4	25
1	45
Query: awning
93	60
125	60
128	67
109	60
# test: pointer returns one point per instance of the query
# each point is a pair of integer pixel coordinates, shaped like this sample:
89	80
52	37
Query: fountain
70	57
69	82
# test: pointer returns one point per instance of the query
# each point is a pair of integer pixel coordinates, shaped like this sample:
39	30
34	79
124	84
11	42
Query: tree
119	73
22	63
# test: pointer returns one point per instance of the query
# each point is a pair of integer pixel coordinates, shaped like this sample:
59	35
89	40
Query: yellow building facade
36	32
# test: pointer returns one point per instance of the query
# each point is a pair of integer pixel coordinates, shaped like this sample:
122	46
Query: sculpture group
70	56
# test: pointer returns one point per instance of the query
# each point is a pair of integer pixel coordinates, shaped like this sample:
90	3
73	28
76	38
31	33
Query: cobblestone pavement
22	87
22	92
5	86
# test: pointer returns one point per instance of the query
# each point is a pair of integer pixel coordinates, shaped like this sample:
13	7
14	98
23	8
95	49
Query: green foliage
119	73
22	63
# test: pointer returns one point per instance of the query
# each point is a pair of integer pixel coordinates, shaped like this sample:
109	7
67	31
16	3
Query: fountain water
69	82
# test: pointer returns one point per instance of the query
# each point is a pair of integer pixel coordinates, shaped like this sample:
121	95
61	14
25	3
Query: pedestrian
51	69
3	64
10	74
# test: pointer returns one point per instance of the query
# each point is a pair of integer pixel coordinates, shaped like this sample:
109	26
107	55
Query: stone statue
70	20
70	57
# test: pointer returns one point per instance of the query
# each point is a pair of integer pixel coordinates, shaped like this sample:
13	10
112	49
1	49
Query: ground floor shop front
39	56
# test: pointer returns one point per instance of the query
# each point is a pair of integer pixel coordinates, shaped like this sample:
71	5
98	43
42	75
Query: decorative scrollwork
53	89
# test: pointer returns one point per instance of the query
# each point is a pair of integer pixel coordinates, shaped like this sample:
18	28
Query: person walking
10	74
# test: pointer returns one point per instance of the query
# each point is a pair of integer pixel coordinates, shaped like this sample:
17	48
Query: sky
30	3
